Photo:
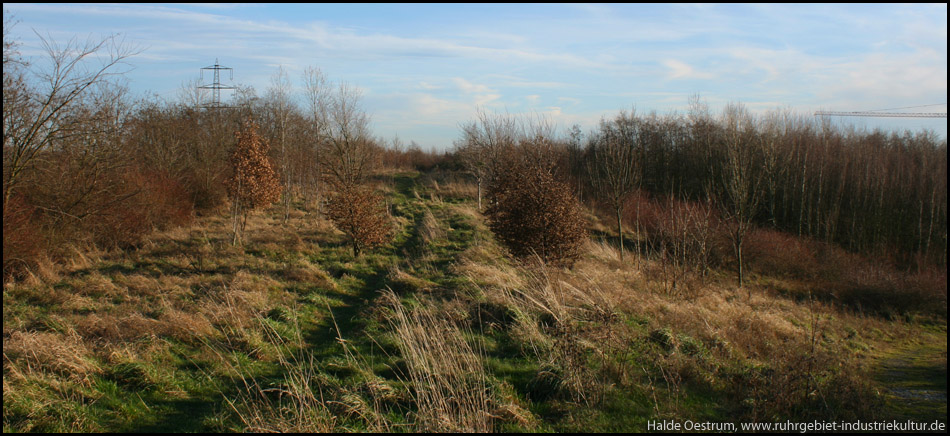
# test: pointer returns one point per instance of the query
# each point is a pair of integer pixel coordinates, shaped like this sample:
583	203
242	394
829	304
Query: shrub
21	238
532	213
149	200
775	252
358	211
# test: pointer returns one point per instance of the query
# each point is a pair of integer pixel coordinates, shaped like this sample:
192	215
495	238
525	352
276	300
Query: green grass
914	375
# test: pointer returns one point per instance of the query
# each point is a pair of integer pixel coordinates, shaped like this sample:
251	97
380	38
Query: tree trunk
479	194
620	232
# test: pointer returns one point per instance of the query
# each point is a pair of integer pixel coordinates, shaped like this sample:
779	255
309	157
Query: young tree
317	103
359	212
533	213
281	107
474	160
253	183
738	192
615	165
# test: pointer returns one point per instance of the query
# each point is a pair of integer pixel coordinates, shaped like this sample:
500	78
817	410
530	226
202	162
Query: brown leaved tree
359	212
253	183
534	213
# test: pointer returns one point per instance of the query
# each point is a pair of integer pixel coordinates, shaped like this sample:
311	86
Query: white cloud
486	99
471	88
681	70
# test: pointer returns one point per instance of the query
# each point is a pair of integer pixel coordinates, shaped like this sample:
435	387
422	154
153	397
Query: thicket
530	207
88	164
871	192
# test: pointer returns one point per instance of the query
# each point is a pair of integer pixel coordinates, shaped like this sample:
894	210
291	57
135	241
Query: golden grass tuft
64	354
305	272
449	376
185	326
429	228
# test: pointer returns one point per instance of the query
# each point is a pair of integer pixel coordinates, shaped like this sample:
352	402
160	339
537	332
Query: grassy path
412	261
914	378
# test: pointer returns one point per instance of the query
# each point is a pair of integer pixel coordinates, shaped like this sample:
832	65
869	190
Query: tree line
86	163
872	192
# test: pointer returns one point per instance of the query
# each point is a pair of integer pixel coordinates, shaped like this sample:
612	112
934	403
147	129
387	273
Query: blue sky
425	68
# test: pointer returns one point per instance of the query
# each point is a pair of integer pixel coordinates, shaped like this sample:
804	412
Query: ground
438	330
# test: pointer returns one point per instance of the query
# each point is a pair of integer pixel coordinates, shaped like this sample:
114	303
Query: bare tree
485	144
738	191
615	165
38	105
475	161
281	108
191	95
317	102
347	155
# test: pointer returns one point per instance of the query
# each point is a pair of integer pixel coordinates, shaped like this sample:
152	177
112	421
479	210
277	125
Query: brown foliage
782	254
535	214
358	212
253	183
21	239
151	201
115	210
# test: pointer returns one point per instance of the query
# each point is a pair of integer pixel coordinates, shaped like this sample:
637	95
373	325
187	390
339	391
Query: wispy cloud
681	70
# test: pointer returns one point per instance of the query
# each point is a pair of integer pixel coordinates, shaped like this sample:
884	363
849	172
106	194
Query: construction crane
881	113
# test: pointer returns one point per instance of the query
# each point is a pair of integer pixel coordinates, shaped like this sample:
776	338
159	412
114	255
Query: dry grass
303	271
450	384
429	228
808	346
600	329
296	405
28	353
102	312
451	186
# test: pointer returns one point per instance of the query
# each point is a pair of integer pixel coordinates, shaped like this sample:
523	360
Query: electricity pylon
216	86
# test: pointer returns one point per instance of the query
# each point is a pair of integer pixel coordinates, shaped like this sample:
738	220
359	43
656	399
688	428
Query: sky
425	69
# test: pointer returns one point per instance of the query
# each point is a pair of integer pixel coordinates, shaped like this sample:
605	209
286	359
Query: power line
883	114
907	107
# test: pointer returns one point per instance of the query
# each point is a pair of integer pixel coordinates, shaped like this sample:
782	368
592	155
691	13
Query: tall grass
450	385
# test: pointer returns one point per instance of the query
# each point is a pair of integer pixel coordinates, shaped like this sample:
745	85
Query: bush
779	253
21	238
359	212
532	213
152	200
